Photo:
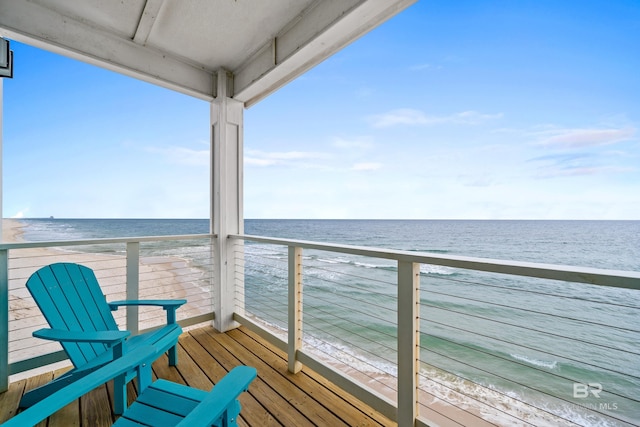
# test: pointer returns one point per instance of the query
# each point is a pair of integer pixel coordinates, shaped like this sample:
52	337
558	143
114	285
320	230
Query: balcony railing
126	268
418	336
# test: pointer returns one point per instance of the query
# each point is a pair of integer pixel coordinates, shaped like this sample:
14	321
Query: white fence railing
126	268
422	338
451	340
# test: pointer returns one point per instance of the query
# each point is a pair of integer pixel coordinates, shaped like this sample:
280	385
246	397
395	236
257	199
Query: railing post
4	320
133	285
408	331
295	307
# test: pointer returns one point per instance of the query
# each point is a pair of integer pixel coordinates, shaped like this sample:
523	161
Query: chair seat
167	404
164	402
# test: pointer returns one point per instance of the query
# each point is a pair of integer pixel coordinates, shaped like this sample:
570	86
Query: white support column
295	308
1	169
4	284
4	319
408	330
227	213
133	286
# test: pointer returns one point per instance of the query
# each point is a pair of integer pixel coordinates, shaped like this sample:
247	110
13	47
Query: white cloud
472	117
577	164
403	116
580	138
296	158
182	155
21	214
413	117
259	162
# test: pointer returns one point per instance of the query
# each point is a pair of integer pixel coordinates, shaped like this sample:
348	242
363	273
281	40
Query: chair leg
119	394
230	416
173	355
144	377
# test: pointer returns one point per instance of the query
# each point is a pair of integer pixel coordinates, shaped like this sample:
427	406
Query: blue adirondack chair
80	318
159	403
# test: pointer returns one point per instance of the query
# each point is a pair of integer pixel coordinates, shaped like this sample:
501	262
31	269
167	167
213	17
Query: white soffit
181	44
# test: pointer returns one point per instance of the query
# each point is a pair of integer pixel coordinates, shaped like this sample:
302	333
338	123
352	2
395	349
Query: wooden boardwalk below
275	398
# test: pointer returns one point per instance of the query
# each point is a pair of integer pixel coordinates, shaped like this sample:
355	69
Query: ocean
603	352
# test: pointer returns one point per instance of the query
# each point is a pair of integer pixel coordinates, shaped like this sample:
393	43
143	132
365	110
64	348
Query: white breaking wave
535	362
436	269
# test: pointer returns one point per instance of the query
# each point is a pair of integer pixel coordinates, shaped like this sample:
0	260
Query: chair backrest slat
84	286
70	298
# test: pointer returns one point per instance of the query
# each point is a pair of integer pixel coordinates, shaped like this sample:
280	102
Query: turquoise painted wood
180	405
161	403
72	302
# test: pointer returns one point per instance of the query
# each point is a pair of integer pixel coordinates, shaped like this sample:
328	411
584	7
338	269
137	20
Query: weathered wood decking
275	398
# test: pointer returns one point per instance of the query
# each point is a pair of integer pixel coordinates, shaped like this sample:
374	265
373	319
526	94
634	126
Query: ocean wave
370	265
333	260
535	362
352	262
424	268
436	269
350	356
503	406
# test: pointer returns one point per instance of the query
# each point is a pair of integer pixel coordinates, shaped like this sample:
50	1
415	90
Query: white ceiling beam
323	29
31	23
147	19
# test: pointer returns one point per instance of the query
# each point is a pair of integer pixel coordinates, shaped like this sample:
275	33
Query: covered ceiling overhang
183	44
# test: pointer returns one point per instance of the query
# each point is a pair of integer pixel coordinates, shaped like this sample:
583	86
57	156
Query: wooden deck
275	398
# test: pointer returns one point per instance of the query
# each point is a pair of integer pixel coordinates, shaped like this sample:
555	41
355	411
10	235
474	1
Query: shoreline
12	230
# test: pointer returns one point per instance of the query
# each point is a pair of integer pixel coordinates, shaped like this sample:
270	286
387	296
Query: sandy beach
11	231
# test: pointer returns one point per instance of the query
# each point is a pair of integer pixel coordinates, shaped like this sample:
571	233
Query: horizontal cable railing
167	267
524	350
492	343
264	294
421	337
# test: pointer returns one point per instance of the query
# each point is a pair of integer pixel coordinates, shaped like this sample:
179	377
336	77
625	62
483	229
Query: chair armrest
169	305
52	403
222	397
164	303
107	337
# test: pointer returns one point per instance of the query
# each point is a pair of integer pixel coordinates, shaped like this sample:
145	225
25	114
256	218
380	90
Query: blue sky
451	110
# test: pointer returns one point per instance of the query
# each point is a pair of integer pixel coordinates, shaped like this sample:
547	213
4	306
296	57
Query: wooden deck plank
253	413
316	410
10	399
161	369
319	379
190	371
330	397
279	407
96	409
275	398
37	381
70	414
